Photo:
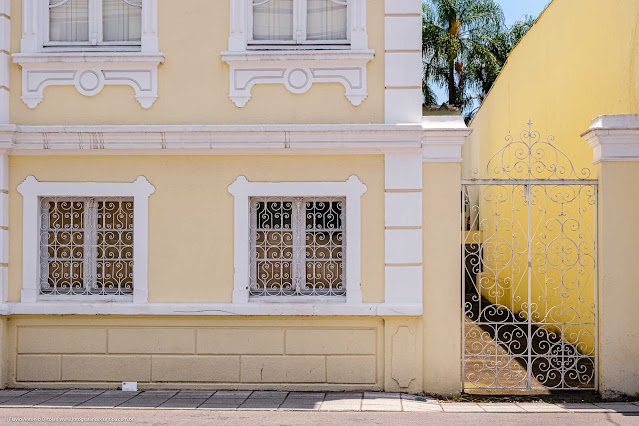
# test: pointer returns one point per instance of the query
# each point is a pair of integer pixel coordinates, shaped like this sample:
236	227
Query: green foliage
465	46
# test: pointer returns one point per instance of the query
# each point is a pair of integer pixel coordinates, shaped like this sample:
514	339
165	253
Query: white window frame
32	191
35	31
352	190
299	31
96	31
242	29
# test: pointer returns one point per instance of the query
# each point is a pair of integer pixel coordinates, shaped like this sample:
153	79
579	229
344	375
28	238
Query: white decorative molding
219	309
614	138
210	139
297	70
443	139
89	73
31	190
88	68
352	189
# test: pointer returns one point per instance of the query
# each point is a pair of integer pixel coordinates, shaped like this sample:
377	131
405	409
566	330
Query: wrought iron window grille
297	247
86	246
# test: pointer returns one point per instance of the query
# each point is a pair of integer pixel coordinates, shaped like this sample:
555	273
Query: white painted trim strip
208	309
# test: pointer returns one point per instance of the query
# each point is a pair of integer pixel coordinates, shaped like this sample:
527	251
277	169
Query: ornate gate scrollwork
529	270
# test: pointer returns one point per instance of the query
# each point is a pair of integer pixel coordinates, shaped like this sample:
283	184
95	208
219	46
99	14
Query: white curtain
273	20
121	20
326	20
69	20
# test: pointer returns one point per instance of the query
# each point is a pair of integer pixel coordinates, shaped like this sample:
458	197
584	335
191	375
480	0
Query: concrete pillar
615	143
442	253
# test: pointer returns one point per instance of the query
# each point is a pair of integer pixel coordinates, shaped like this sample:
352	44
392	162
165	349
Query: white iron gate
529	271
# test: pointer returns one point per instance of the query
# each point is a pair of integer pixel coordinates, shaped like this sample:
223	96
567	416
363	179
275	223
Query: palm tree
456	34
483	75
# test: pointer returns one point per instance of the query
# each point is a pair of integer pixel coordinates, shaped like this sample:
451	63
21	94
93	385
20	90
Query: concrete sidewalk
284	401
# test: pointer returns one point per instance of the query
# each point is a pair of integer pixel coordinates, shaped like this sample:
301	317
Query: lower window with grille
86	246
297	247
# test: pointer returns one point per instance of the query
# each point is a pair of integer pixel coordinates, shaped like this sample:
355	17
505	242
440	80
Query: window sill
208	309
298	70
89	72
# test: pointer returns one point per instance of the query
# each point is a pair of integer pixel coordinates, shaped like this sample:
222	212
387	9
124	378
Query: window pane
273	20
69	20
326	20
122	20
115	247
324	248
272	251
62	246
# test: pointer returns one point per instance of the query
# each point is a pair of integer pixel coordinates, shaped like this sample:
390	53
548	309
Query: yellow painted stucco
193	83
579	61
332	353
442	286
619	293
191	213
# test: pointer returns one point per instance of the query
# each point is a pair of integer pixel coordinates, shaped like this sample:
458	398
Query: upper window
299	22
94	23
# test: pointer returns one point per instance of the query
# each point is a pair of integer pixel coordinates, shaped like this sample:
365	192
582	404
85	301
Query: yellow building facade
220	194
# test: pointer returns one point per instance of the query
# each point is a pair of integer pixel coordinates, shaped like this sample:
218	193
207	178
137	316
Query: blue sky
514	10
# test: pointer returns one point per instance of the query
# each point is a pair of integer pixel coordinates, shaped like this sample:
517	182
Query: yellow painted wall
579	61
442	290
618	289
570	68
333	353
194	83
191	213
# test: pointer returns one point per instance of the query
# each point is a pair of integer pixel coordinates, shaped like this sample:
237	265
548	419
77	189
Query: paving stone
103	403
461	407
142	401
342	402
581	407
313	395
26	402
619	407
12	393
502	408
409	405
193	394
54	392
344	396
389	406
381	395
232	394
304	403
119	394
183	403
222	404
541	407
268	394
84	392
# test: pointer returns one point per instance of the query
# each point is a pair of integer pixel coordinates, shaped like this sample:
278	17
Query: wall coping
614	138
